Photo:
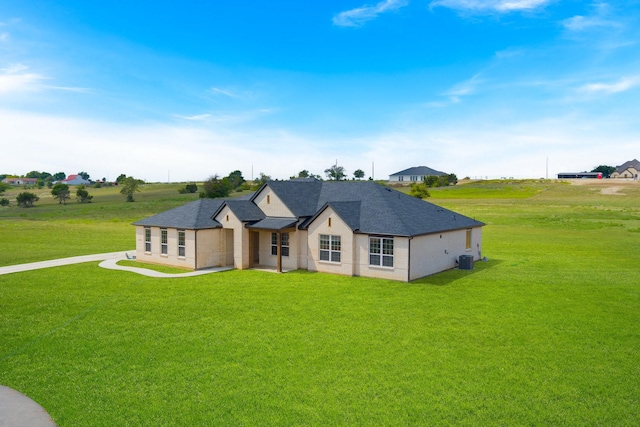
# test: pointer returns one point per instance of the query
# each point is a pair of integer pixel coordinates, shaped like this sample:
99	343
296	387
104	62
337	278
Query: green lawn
545	333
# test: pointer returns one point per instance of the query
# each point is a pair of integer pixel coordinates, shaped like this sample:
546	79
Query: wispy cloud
197	117
225	92
484	6
15	78
600	18
360	15
455	94
622	85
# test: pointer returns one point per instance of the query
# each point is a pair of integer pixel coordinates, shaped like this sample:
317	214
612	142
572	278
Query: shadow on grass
450	276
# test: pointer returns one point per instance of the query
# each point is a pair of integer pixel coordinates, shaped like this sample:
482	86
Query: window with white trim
182	249
468	239
330	246
381	251
147	239
284	244
164	241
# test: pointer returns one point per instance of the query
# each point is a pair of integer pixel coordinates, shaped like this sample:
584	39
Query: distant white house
414	174
75	180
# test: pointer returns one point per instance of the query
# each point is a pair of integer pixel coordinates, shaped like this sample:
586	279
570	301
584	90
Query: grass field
545	333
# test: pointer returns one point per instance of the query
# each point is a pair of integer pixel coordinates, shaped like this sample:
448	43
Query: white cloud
622	85
4	37
358	16
14	78
502	6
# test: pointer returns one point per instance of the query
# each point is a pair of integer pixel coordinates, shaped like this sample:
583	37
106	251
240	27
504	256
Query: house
414	174
75	180
20	181
349	228
630	169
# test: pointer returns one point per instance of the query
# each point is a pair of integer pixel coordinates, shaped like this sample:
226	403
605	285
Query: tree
3	187
419	190
59	176
84	175
358	174
4	202
303	174
606	170
215	187
130	185
26	199
189	188
235	179
82	195
335	173
121	178
262	179
61	192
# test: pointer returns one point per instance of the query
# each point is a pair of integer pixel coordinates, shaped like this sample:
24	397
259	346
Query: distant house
630	169
347	228
414	174
20	181
75	180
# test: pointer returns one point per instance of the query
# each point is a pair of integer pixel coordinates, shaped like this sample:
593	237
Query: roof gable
630	164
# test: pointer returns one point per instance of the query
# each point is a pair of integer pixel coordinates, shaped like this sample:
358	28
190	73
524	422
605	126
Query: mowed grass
544	333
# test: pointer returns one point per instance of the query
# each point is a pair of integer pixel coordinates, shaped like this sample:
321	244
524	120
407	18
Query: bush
4	202
26	199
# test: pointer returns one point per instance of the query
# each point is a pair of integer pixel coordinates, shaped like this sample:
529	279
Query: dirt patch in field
613	191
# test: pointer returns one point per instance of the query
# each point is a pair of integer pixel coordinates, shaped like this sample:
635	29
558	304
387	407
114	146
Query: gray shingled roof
419	171
245	210
371	208
626	165
191	216
366	207
274	223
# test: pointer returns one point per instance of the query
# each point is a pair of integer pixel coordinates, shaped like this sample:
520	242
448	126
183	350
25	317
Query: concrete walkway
17	410
112	265
62	261
109	260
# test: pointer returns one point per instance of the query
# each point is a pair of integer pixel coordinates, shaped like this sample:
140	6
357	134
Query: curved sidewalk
18	268
109	260
18	410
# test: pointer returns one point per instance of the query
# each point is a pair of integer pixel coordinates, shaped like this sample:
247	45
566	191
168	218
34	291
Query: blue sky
181	91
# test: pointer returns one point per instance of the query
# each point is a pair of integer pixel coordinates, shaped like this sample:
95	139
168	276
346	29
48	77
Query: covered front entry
267	242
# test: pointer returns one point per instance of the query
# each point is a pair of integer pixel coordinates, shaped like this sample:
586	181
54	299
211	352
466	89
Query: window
284	244
147	239
181	243
164	247
468	242
329	248
381	251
